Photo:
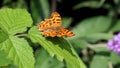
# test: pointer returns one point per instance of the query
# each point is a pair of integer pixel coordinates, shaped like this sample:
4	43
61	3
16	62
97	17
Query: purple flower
114	45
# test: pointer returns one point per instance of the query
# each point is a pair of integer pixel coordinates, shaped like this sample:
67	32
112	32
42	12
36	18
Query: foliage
57	46
16	49
23	46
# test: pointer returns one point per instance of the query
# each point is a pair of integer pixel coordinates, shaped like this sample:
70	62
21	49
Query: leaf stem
21	35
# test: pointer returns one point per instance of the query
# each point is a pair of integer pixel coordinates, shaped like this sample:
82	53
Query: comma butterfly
52	27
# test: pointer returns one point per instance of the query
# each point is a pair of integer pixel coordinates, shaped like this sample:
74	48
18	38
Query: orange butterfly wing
49	32
64	32
52	27
53	22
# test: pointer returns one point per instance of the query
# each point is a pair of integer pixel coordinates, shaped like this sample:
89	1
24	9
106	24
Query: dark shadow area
103	53
66	9
117	65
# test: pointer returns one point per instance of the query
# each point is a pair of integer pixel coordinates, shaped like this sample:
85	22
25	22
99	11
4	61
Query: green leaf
91	26
40	9
99	62
66	21
43	60
12	66
98	36
6	1
91	4
3	36
115	59
117	2
79	44
58	47
101	47
14	21
3	60
116	26
19	51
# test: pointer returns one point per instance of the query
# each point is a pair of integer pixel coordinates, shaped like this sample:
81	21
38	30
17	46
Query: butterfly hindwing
64	32
49	32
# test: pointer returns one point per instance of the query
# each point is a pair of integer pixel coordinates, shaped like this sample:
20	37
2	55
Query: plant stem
21	35
53	7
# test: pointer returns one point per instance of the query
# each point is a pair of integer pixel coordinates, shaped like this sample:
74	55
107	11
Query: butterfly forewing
56	19
46	24
52	22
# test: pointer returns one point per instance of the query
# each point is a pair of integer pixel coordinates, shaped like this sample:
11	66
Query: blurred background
78	10
93	21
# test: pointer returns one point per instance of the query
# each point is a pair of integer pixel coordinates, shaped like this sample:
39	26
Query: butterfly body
53	27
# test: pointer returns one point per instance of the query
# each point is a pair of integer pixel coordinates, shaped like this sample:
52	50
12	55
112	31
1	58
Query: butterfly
52	27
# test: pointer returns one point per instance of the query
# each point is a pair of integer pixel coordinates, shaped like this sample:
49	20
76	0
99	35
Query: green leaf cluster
23	46
15	50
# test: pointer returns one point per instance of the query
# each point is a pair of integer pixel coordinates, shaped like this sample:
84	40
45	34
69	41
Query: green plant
13	24
94	22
